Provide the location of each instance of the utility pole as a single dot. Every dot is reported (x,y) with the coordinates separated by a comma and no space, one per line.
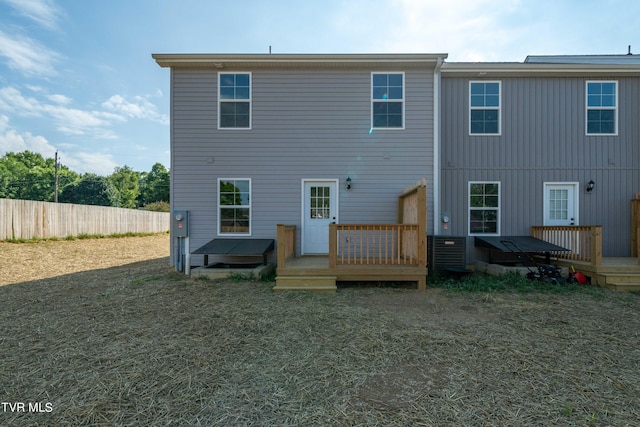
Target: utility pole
(55,193)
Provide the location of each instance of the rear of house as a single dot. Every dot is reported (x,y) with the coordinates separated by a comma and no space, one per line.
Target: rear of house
(308,140)
(551,141)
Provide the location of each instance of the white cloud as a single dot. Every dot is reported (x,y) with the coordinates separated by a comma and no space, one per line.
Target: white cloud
(59,99)
(78,161)
(468,30)
(82,162)
(67,120)
(140,108)
(27,55)
(11,140)
(44,12)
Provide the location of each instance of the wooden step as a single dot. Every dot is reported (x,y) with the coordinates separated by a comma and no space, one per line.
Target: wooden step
(621,281)
(306,283)
(624,286)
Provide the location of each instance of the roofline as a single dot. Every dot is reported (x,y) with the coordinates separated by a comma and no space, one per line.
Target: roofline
(221,61)
(482,69)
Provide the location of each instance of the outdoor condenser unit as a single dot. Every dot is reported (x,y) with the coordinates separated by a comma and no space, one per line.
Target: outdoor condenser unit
(446,252)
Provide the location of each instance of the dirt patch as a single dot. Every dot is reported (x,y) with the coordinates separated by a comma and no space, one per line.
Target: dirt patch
(132,342)
(21,262)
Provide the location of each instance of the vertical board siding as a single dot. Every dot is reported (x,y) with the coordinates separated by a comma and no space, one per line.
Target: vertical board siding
(543,140)
(306,124)
(28,219)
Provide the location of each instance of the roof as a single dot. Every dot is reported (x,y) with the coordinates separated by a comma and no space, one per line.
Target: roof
(266,61)
(509,69)
(549,65)
(584,59)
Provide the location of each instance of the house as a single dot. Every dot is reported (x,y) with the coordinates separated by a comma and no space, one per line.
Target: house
(259,140)
(320,141)
(551,142)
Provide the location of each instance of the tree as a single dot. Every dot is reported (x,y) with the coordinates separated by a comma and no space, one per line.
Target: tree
(90,190)
(29,176)
(126,183)
(154,185)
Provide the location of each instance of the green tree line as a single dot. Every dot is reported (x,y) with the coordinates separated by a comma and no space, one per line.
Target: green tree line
(29,176)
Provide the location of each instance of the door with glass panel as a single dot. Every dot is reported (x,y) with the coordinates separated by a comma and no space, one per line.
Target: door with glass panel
(319,210)
(560,203)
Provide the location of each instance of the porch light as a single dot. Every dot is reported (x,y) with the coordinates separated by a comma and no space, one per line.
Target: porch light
(348,186)
(590,186)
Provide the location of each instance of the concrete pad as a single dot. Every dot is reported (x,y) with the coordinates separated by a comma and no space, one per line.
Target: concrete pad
(222,273)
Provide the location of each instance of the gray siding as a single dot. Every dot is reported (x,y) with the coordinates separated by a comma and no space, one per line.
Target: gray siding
(543,139)
(305,124)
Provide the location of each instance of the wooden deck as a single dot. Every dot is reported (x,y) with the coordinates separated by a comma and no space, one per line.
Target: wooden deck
(314,273)
(619,273)
(361,252)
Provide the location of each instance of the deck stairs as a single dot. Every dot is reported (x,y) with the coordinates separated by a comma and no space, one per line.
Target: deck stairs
(620,281)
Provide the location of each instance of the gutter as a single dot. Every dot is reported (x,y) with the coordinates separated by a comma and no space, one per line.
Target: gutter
(436,146)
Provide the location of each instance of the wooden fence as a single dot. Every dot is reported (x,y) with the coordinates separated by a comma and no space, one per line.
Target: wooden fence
(28,219)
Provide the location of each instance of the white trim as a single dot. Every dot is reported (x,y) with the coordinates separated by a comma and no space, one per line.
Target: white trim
(436,147)
(576,199)
(250,207)
(499,133)
(303,181)
(587,108)
(402,101)
(499,209)
(250,100)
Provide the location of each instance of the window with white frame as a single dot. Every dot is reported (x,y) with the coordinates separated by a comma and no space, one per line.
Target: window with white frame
(234,206)
(234,100)
(602,107)
(484,208)
(387,100)
(484,108)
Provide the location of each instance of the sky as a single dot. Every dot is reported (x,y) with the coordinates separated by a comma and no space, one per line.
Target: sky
(77,77)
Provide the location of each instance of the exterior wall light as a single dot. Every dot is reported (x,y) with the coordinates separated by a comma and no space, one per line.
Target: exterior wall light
(590,186)
(348,186)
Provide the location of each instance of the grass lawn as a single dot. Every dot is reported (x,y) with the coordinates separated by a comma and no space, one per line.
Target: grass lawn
(139,344)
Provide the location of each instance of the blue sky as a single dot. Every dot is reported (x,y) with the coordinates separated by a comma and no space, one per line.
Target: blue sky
(77,75)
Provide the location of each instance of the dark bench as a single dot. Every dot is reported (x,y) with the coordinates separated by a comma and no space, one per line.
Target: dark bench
(236,247)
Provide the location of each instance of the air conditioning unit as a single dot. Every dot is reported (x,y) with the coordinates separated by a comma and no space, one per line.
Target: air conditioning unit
(446,252)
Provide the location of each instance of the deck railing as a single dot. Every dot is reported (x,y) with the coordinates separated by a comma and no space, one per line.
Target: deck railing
(376,244)
(583,241)
(286,238)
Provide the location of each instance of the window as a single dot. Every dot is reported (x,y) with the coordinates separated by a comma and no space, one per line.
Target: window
(234,206)
(602,105)
(234,100)
(387,101)
(484,208)
(484,108)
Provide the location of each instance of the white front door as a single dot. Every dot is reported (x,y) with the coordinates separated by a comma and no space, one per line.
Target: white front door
(319,210)
(560,203)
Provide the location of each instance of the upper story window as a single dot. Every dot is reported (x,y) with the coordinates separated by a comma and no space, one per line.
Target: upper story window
(234,100)
(387,100)
(234,206)
(484,108)
(602,108)
(484,208)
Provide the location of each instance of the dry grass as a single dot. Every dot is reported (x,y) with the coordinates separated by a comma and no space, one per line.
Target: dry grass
(138,344)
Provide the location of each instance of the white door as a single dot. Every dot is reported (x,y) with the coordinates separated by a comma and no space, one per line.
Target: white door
(560,203)
(319,210)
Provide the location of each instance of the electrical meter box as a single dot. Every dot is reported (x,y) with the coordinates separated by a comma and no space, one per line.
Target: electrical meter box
(180,223)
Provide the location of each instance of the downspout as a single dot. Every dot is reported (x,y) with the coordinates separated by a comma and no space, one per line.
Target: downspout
(436,146)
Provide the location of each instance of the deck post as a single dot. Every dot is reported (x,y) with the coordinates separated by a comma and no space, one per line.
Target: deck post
(422,227)
(596,245)
(286,243)
(333,245)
